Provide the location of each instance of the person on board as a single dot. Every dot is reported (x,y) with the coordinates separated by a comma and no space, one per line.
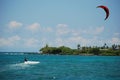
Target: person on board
(25,59)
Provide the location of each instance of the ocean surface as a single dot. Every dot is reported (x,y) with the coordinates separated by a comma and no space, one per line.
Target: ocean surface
(58,67)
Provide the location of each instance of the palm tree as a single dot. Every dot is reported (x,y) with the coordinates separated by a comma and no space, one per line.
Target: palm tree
(105,45)
(119,47)
(114,46)
(46,46)
(78,46)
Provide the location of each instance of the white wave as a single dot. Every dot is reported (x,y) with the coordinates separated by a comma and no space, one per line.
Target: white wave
(19,66)
(10,53)
(14,67)
(31,62)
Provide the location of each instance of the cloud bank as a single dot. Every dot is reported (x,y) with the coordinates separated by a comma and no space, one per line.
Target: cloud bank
(59,35)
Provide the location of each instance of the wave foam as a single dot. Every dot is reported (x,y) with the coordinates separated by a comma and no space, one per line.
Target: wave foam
(31,62)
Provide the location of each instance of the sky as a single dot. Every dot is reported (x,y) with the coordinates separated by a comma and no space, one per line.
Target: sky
(28,25)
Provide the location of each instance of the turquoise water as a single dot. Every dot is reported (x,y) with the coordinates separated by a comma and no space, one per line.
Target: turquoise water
(59,67)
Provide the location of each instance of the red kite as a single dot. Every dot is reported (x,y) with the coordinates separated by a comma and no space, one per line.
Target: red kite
(105,9)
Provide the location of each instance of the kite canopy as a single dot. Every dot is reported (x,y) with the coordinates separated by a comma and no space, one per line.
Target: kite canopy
(105,9)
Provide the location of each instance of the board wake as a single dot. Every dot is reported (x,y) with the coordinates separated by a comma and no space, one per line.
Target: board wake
(31,62)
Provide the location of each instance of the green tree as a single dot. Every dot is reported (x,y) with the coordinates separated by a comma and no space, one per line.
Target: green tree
(95,51)
(65,50)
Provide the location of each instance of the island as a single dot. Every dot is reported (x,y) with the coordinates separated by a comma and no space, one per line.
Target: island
(113,50)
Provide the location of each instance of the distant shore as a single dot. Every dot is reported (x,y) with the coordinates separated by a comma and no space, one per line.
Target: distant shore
(113,50)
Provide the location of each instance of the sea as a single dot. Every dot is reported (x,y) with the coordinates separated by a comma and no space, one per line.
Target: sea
(58,67)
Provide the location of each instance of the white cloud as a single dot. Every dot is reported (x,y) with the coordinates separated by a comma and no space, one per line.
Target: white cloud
(74,40)
(62,25)
(99,30)
(9,41)
(65,36)
(78,40)
(43,41)
(5,42)
(15,24)
(34,27)
(117,34)
(47,29)
(115,40)
(62,29)
(71,41)
(75,32)
(75,36)
(31,42)
(59,42)
(14,38)
(93,31)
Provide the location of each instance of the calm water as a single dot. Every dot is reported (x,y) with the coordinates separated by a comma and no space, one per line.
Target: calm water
(59,67)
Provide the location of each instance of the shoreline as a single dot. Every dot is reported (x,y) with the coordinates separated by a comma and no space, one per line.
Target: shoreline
(37,53)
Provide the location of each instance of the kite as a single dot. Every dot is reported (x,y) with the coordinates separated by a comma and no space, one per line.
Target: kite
(105,9)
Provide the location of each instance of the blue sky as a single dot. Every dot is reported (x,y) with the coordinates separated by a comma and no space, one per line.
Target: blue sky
(28,25)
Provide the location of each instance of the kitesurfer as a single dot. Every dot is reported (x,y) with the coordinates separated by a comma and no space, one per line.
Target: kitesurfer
(25,59)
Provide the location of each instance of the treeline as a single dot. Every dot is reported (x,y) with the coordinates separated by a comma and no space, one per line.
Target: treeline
(114,50)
